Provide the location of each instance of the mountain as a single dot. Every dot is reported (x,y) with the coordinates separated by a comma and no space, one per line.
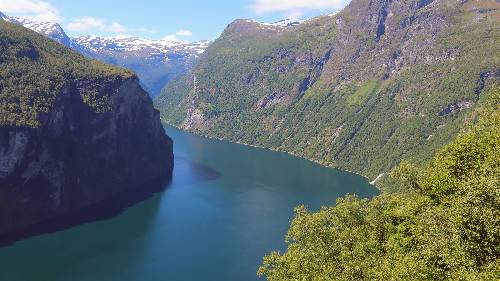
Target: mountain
(73,131)
(362,90)
(156,62)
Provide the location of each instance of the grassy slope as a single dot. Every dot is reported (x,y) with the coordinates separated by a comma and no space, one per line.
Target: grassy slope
(366,124)
(34,70)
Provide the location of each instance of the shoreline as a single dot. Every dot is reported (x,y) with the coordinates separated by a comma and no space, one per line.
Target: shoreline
(371,182)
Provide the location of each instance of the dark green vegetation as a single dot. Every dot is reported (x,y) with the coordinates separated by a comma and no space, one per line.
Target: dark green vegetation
(34,71)
(381,82)
(443,225)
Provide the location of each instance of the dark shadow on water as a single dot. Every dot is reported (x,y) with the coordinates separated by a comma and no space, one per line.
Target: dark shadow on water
(185,172)
(189,172)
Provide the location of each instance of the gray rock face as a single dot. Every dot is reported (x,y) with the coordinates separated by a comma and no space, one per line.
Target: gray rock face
(78,157)
(456,107)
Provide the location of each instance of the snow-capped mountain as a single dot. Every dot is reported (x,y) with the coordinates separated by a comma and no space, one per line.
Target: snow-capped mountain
(136,45)
(154,61)
(49,29)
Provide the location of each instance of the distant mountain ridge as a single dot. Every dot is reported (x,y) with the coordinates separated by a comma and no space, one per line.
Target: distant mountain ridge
(134,43)
(156,62)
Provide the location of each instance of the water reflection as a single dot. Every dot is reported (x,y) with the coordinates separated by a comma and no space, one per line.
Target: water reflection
(115,206)
(226,206)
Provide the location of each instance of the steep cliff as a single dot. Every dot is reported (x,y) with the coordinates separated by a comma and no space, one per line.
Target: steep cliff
(379,82)
(73,132)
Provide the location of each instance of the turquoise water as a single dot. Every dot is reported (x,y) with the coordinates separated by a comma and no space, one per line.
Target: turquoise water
(226,207)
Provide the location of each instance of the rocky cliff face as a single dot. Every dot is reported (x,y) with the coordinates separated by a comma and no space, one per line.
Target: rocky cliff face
(73,132)
(77,157)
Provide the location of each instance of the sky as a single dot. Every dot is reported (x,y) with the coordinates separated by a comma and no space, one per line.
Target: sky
(186,20)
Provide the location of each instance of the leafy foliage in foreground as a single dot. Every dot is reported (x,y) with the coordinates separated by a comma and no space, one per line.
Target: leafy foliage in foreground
(445,225)
(34,71)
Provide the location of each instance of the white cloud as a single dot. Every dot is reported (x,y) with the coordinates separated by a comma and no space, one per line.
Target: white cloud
(32,9)
(173,38)
(287,6)
(117,28)
(86,24)
(184,32)
(93,24)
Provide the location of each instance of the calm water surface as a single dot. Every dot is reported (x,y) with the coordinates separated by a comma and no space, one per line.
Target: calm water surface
(226,207)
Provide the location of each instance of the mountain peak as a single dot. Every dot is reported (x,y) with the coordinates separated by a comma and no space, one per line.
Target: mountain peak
(51,30)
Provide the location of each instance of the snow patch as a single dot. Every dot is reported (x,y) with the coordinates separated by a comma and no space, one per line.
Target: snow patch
(282,24)
(125,43)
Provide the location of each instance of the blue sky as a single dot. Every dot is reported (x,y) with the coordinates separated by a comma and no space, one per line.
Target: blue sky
(187,20)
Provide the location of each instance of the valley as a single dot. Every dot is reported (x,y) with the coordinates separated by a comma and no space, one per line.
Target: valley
(359,143)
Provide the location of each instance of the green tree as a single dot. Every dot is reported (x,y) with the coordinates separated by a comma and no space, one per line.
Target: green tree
(443,225)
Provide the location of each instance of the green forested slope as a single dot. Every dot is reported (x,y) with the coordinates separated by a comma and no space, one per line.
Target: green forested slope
(34,71)
(380,82)
(443,225)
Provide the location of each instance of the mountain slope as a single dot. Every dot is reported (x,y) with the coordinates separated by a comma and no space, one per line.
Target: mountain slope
(442,225)
(360,90)
(73,131)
